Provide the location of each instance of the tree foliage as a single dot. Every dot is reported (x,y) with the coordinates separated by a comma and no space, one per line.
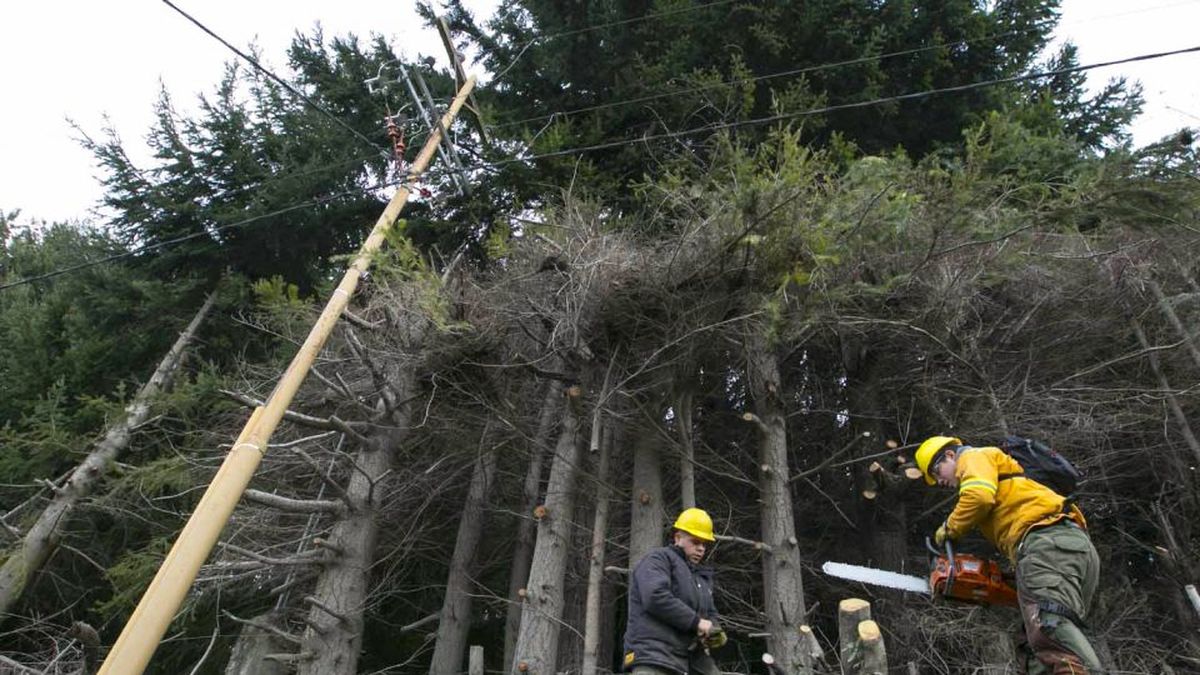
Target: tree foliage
(978,263)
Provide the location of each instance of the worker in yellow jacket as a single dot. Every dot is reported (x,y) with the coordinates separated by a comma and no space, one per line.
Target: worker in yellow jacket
(1046,539)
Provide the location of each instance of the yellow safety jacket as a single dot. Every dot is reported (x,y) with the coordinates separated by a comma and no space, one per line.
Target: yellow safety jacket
(1003,510)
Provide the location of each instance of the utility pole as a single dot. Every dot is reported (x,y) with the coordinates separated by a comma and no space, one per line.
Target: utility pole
(142,634)
(460,76)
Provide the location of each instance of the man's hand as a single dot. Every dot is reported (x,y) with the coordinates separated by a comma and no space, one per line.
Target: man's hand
(940,536)
(716,638)
(704,627)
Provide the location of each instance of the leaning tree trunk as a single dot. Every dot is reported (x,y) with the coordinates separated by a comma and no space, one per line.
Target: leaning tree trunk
(1168,311)
(32,551)
(536,650)
(455,620)
(646,515)
(1185,427)
(782,585)
(523,551)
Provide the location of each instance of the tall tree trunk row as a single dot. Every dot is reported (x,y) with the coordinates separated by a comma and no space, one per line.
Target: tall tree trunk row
(783,588)
(591,626)
(526,528)
(536,651)
(455,620)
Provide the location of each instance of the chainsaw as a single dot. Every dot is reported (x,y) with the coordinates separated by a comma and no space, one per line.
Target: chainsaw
(962,577)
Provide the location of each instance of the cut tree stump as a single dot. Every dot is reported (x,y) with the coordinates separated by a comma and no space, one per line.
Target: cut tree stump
(861,646)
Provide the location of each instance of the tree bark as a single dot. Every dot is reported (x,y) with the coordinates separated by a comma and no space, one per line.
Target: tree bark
(523,551)
(335,616)
(332,641)
(687,467)
(29,554)
(882,519)
(456,607)
(646,515)
(591,624)
(536,650)
(783,587)
(851,612)
(255,642)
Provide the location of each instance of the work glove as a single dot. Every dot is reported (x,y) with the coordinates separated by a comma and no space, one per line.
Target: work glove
(716,638)
(941,535)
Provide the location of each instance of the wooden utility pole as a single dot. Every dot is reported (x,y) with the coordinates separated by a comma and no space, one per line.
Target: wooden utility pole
(460,76)
(141,635)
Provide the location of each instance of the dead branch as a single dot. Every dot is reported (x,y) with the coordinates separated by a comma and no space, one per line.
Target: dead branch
(294,505)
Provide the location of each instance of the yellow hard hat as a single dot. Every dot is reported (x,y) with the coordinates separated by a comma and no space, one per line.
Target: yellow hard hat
(928,450)
(695,522)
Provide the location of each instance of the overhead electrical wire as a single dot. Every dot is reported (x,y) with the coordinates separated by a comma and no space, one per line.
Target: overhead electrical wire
(605,145)
(809,69)
(194,235)
(633,19)
(587,29)
(622,142)
(295,92)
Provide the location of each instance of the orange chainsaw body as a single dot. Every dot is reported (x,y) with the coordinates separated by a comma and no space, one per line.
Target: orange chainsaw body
(971,579)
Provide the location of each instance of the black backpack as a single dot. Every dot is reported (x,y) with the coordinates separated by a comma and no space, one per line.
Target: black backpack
(1043,464)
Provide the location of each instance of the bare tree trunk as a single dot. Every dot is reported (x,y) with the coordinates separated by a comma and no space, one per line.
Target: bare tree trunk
(536,651)
(646,515)
(523,552)
(456,607)
(782,584)
(333,639)
(255,643)
(591,624)
(28,555)
(687,467)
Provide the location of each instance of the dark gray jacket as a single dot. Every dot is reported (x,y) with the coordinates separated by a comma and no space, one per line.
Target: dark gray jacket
(667,598)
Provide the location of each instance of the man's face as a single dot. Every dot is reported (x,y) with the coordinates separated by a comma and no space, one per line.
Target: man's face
(943,471)
(693,547)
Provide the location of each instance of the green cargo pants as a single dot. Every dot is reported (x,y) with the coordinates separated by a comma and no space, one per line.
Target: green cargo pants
(1057,574)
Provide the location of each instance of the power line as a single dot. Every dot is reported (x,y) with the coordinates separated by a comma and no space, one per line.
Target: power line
(833,108)
(635,19)
(628,141)
(187,237)
(587,29)
(295,92)
(808,69)
(759,78)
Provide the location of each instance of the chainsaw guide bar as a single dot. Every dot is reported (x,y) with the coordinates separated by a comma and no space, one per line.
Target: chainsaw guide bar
(870,575)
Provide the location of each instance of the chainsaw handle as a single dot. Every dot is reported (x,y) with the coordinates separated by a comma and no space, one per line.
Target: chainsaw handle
(929,545)
(949,558)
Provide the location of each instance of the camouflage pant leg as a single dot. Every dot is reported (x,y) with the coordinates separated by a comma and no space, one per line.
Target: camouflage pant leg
(1057,565)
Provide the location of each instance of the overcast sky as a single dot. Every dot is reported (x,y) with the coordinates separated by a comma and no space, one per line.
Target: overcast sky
(90,60)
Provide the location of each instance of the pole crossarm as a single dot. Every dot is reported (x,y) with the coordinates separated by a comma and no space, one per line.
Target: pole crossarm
(146,626)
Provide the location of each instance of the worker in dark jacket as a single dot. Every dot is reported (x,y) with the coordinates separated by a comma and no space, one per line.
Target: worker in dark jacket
(1044,536)
(672,617)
